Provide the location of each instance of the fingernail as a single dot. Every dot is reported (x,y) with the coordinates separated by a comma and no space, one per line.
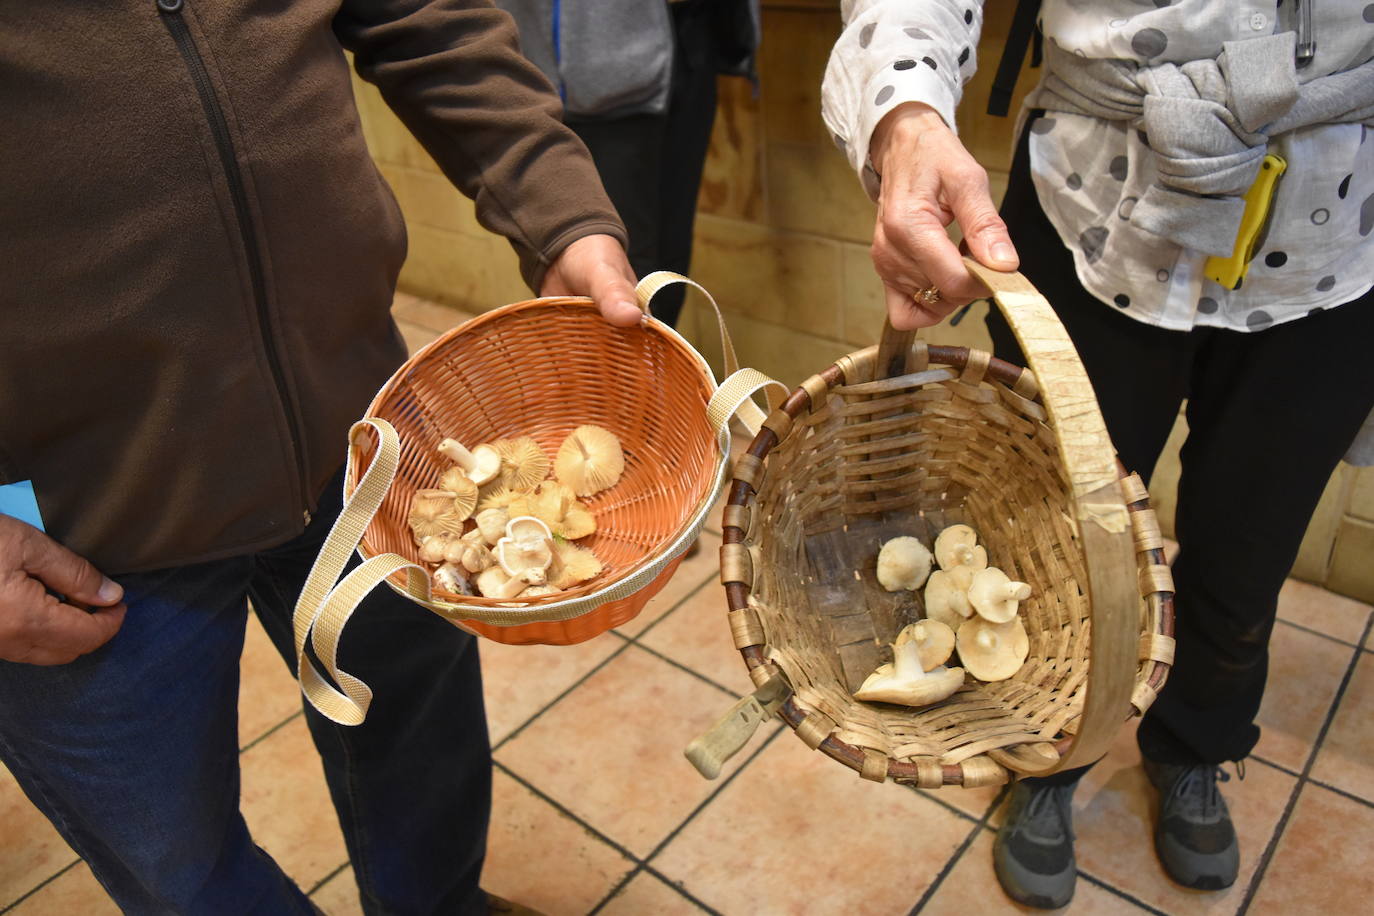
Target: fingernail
(110,591)
(1002,251)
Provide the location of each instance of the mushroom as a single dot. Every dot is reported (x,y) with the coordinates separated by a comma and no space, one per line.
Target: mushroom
(524,552)
(946,595)
(523,462)
(903,563)
(557,506)
(492,524)
(476,555)
(463,489)
(905,682)
(499,497)
(995,596)
(589,460)
(481,465)
(449,578)
(433,548)
(935,641)
(539,591)
(957,545)
(572,564)
(993,651)
(432,512)
(494,583)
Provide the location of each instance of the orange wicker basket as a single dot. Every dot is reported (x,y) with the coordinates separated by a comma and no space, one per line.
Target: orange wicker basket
(905,440)
(538,368)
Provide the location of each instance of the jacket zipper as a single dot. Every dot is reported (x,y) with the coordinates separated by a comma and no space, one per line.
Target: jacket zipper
(181,34)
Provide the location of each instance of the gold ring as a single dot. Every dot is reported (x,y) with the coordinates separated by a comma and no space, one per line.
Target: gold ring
(928,296)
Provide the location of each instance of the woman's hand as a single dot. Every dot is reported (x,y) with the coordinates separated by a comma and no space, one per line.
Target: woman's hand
(928,181)
(36,626)
(596,266)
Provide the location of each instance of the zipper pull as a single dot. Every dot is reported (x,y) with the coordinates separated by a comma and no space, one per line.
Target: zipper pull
(169,6)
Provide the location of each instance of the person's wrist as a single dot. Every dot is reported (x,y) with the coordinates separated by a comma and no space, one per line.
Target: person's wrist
(899,129)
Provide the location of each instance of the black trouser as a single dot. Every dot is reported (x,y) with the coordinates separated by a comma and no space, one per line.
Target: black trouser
(651,164)
(1270,413)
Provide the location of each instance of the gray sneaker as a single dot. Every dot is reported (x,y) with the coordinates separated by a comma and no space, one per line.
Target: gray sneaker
(1193,834)
(1033,852)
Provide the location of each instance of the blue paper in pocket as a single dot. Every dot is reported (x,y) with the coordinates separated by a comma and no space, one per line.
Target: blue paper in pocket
(17,501)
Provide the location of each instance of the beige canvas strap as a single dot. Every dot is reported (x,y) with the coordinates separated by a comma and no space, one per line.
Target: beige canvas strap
(324,608)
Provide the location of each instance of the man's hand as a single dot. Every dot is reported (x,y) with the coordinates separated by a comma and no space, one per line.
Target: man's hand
(928,181)
(35,626)
(596,266)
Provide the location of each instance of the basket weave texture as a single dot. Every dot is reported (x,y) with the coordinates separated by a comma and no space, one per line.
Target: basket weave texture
(849,462)
(541,368)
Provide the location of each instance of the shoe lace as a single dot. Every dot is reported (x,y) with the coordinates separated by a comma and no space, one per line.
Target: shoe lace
(1051,803)
(1200,783)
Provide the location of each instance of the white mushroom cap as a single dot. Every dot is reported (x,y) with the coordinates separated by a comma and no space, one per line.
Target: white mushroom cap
(433,548)
(934,640)
(481,465)
(589,460)
(492,524)
(464,491)
(476,556)
(904,682)
(556,505)
(449,578)
(494,583)
(903,563)
(995,596)
(572,564)
(993,651)
(957,545)
(946,596)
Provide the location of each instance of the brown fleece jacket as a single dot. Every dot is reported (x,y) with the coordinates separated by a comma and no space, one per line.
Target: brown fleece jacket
(197,255)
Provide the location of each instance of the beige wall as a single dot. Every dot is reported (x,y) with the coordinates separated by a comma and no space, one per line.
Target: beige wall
(782,242)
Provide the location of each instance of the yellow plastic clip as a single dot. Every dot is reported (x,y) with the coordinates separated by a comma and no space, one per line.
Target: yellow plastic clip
(1258,200)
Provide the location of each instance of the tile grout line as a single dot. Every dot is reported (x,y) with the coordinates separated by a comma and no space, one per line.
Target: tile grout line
(1303,778)
(327,878)
(42,884)
(958,854)
(270,732)
(643,864)
(674,885)
(628,641)
(1118,892)
(559,807)
(1314,632)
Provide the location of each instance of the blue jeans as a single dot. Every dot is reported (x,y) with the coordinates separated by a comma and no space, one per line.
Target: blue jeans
(132,751)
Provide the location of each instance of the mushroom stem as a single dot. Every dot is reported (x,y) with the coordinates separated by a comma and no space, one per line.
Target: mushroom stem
(1018,591)
(455,452)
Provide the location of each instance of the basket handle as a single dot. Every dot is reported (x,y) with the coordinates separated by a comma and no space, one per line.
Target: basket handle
(1102,519)
(749,413)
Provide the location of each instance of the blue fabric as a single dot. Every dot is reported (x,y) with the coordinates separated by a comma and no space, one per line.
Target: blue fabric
(132,750)
(17,501)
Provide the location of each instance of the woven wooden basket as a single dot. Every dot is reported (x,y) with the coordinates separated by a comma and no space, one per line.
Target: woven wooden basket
(906,439)
(538,368)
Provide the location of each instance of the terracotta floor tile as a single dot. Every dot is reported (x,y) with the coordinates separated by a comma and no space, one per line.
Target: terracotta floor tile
(697,635)
(692,574)
(648,894)
(1114,818)
(31,849)
(73,892)
(1304,673)
(519,681)
(1321,864)
(798,833)
(973,802)
(287,805)
(971,888)
(268,693)
(538,856)
(339,895)
(426,314)
(1346,759)
(611,751)
(1326,612)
